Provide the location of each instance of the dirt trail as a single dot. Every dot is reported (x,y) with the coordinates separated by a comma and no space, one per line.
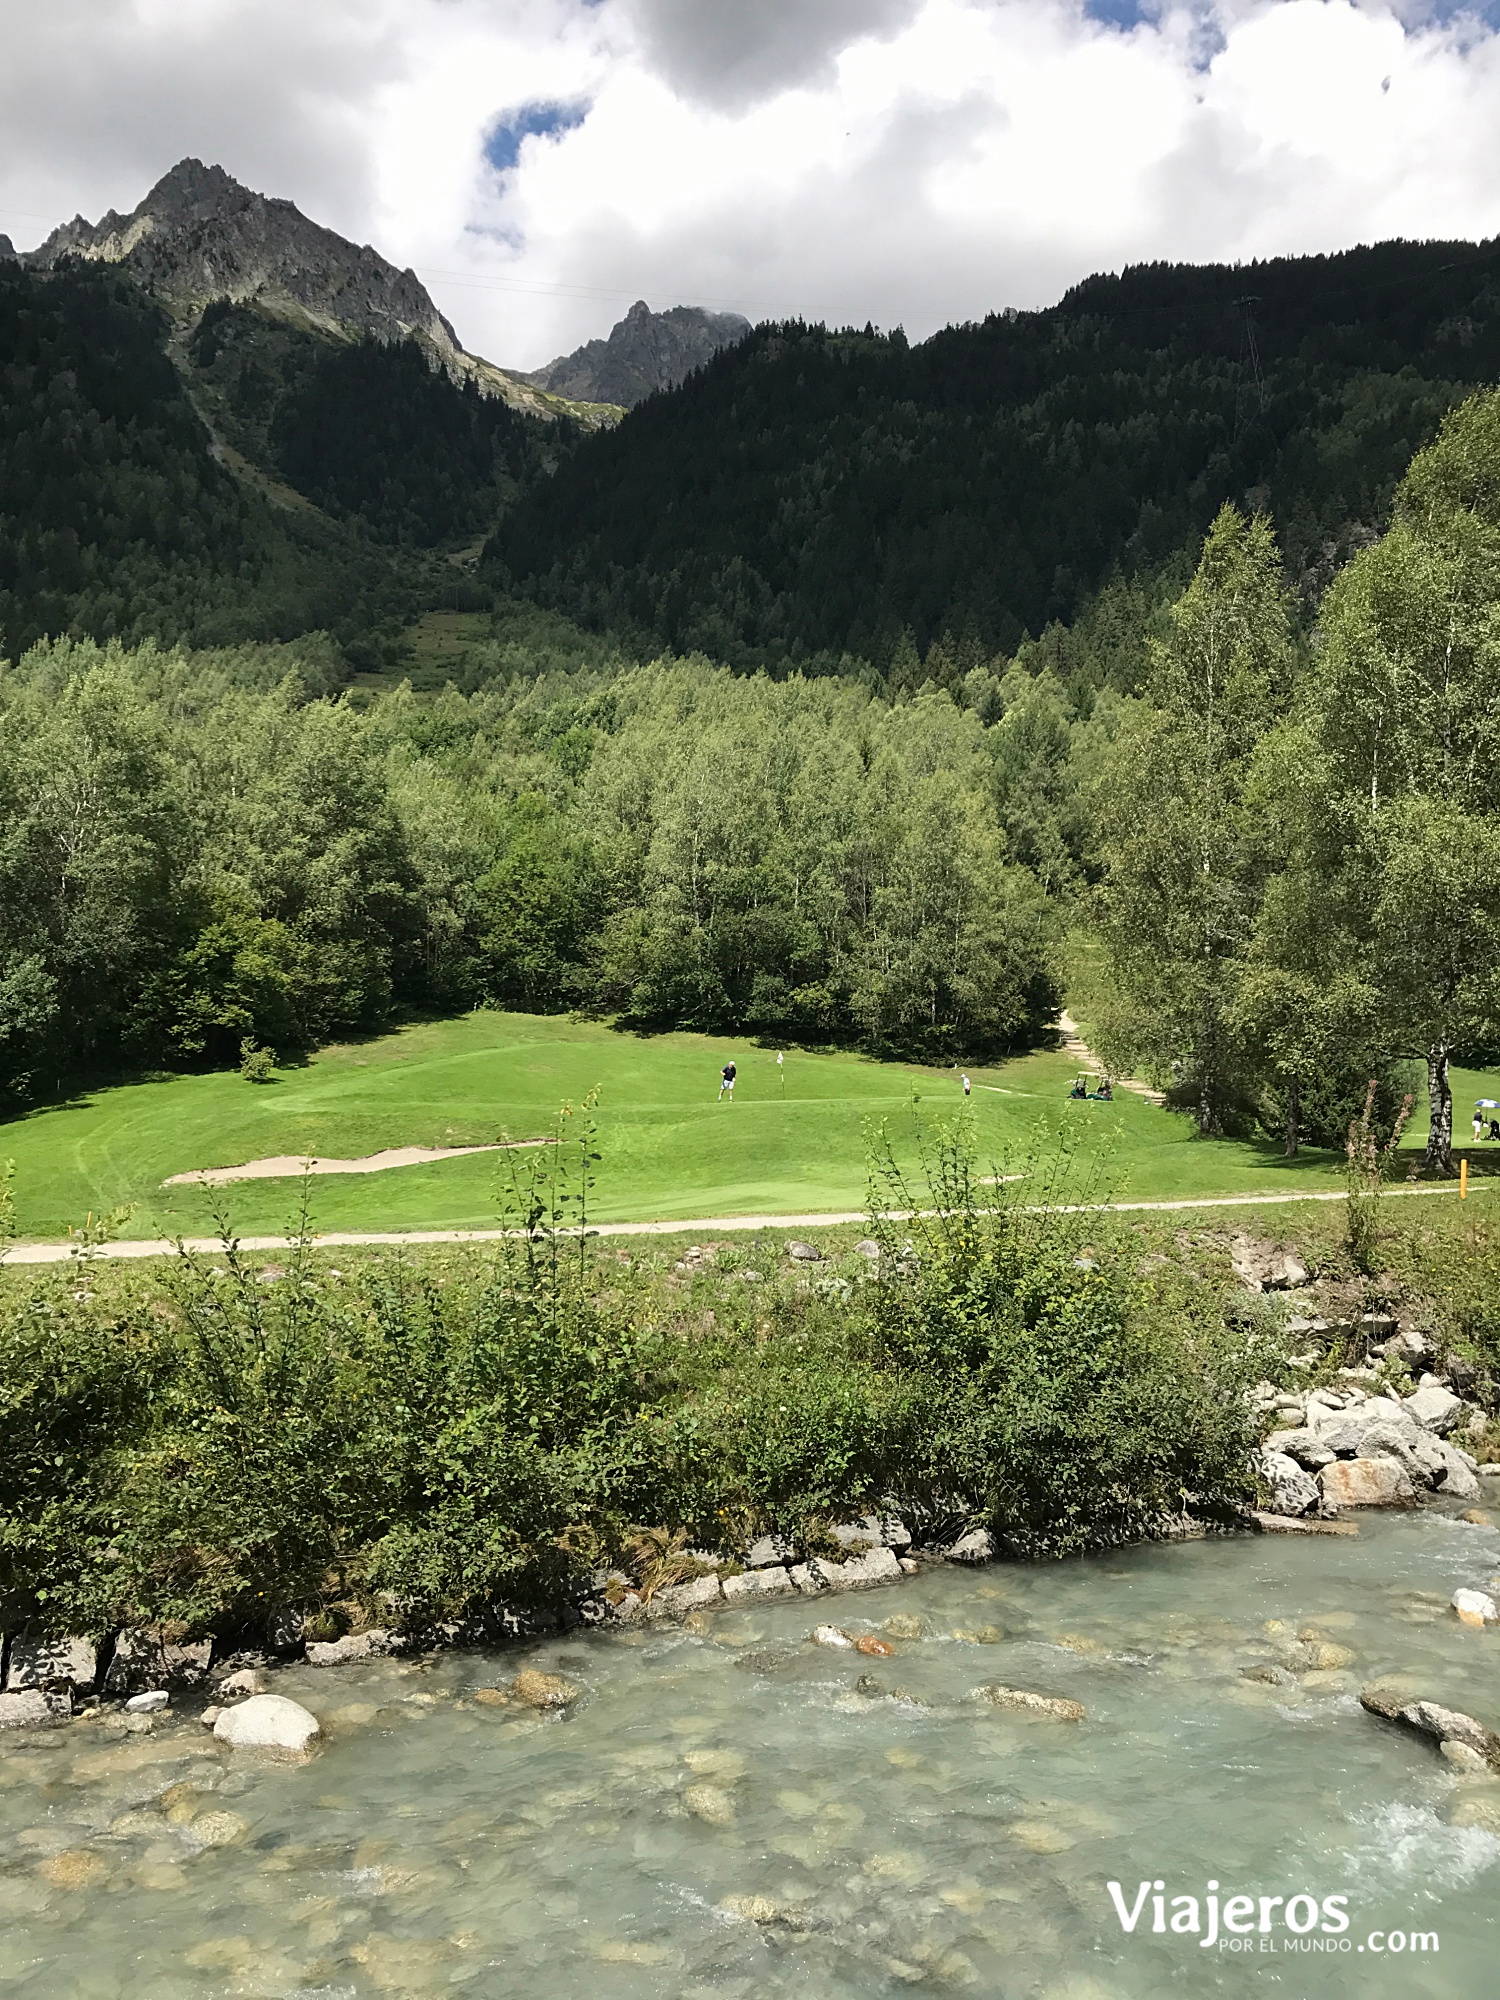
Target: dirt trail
(1074,1045)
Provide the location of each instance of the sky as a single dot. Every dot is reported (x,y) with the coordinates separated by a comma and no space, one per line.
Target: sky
(543,163)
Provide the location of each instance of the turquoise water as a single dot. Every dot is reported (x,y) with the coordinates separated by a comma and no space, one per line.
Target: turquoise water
(726,1815)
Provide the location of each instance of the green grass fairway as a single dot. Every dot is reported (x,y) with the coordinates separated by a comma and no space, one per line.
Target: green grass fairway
(669,1150)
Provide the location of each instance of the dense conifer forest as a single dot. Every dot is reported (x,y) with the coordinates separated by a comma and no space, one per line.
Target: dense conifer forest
(813,494)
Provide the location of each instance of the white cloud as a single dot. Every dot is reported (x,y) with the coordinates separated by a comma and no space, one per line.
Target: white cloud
(900,160)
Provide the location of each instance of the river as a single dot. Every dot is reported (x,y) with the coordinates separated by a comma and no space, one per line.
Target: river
(732,1812)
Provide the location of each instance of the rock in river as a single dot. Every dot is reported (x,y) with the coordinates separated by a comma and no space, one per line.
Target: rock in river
(268,1722)
(1055,1705)
(1475,1607)
(1430,1718)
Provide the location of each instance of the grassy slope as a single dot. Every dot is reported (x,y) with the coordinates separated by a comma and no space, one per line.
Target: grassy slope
(668,1148)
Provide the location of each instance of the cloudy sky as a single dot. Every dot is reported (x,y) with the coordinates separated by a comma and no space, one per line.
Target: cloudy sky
(541,163)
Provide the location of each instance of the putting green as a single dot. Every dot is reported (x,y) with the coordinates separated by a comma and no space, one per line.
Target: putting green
(793,1141)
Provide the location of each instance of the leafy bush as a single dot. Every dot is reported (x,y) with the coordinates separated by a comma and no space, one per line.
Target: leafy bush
(408,1442)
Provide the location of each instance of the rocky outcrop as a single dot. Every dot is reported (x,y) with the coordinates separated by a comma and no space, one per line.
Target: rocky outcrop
(1343,1429)
(144,1659)
(645,351)
(200,236)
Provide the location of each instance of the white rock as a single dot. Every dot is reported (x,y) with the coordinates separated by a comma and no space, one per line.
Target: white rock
(268,1722)
(149,1703)
(1462,1758)
(830,1635)
(1475,1607)
(1434,1408)
(353,1646)
(758,1583)
(1305,1446)
(1292,1490)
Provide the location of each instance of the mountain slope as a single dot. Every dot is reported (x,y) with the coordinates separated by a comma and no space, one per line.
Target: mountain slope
(645,351)
(200,238)
(813,493)
(118,516)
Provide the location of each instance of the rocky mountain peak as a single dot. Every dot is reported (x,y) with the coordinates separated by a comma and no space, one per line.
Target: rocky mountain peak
(645,351)
(199,235)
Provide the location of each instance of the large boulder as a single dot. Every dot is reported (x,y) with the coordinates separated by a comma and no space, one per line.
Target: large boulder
(770,1552)
(1292,1490)
(52,1663)
(269,1722)
(1435,1408)
(1366,1482)
(1343,1431)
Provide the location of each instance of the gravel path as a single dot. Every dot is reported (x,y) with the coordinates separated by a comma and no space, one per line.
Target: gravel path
(723,1225)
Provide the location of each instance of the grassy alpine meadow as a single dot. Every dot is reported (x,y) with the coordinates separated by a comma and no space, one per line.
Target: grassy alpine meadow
(795,1139)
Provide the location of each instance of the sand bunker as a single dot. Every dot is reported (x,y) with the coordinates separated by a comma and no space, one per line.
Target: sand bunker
(289,1166)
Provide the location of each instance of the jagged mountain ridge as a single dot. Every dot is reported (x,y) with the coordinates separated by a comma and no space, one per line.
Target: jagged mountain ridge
(200,237)
(644,352)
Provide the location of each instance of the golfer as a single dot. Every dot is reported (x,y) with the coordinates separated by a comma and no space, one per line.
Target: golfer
(967,1085)
(726,1082)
